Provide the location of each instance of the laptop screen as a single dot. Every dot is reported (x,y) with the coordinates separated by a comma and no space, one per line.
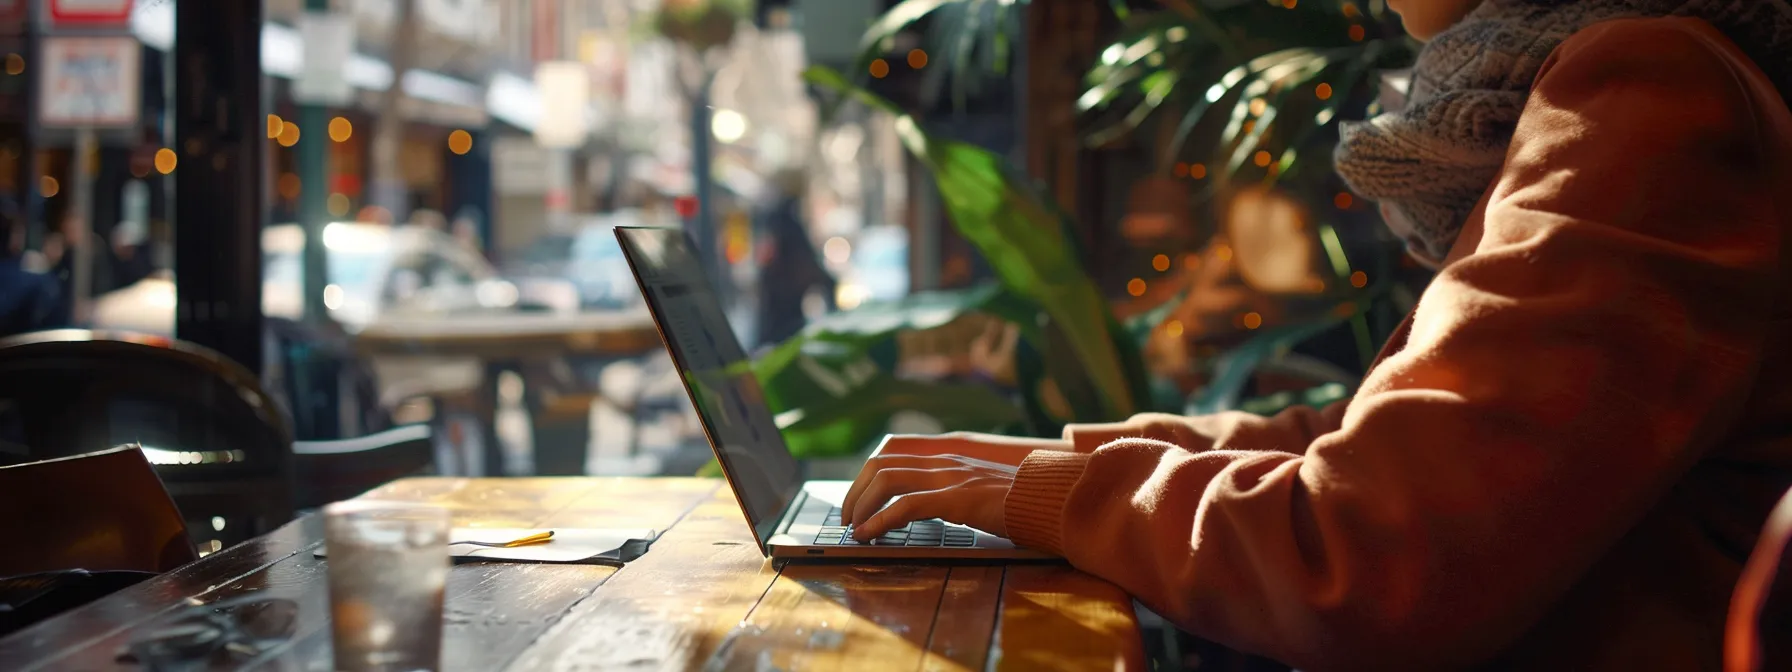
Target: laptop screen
(759,466)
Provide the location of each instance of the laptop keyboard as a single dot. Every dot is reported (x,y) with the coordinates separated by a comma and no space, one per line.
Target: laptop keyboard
(919,533)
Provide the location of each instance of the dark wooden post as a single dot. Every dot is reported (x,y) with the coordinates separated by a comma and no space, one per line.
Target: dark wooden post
(218,209)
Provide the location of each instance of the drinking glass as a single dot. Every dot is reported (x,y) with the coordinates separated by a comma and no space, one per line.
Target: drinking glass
(388,563)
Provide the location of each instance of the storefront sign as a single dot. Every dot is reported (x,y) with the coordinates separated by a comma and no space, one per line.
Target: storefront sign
(90,82)
(91,13)
(519,166)
(329,42)
(565,90)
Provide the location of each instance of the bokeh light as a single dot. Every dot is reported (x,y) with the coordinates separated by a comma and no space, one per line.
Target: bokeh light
(837,250)
(460,142)
(1289,4)
(275,126)
(15,64)
(1261,159)
(1359,279)
(289,135)
(917,59)
(1161,262)
(1324,91)
(289,185)
(166,160)
(728,125)
(1252,320)
(1173,328)
(1181,169)
(1343,200)
(1136,287)
(1357,33)
(880,69)
(48,186)
(337,205)
(341,129)
(1197,170)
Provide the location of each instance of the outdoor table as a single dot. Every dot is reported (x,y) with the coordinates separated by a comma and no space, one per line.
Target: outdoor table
(703,597)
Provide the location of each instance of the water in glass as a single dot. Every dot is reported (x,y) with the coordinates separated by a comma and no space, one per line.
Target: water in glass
(388,566)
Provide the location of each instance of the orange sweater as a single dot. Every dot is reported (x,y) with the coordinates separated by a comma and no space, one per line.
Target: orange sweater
(1561,459)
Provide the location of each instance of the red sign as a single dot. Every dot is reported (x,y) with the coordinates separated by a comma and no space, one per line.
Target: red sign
(91,12)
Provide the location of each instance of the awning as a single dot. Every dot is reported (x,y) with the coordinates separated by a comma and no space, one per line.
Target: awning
(283,52)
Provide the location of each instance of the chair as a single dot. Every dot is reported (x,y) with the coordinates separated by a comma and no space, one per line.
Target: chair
(330,471)
(323,388)
(218,441)
(98,511)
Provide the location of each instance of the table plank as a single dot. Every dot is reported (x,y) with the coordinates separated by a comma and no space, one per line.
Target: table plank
(494,611)
(966,621)
(66,635)
(831,616)
(299,577)
(1057,618)
(669,609)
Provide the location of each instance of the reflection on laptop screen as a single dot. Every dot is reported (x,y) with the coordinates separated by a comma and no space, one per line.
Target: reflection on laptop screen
(762,471)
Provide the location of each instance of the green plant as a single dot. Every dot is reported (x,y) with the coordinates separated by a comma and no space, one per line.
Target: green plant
(836,385)
(1228,83)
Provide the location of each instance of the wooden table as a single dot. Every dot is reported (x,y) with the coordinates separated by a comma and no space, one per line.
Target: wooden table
(702,598)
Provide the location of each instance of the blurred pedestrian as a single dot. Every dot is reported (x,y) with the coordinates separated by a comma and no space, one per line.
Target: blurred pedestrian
(789,266)
(29,301)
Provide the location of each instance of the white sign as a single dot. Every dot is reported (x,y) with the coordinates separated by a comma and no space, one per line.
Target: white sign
(90,82)
(565,89)
(329,41)
(520,167)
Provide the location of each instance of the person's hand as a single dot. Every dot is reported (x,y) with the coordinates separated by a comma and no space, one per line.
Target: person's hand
(961,478)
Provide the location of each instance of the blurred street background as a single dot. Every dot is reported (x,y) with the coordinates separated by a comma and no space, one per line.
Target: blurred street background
(441,178)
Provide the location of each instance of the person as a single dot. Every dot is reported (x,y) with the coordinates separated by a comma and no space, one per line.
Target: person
(791,268)
(1562,458)
(29,301)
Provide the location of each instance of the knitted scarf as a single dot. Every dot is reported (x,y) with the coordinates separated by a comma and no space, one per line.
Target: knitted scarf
(1429,163)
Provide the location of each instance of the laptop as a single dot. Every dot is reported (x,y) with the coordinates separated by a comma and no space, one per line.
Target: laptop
(791,517)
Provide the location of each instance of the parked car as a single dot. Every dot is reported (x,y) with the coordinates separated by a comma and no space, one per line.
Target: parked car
(375,271)
(580,270)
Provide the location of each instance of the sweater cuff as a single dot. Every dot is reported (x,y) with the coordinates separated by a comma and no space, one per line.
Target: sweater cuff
(1034,509)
